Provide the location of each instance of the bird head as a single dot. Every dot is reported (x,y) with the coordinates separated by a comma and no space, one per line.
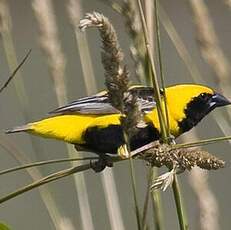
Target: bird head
(188,104)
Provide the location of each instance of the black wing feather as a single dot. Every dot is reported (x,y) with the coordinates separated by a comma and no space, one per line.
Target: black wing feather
(99,103)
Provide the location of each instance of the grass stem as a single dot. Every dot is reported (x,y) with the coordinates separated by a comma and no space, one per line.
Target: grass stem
(176,186)
(41,163)
(157,205)
(179,205)
(147,198)
(157,24)
(133,180)
(153,74)
(202,142)
(10,78)
(45,180)
(132,171)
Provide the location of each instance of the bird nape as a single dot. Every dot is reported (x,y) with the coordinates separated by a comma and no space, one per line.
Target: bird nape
(92,124)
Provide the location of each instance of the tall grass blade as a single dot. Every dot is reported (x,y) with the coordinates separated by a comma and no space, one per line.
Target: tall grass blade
(179,205)
(158,38)
(153,74)
(157,204)
(14,72)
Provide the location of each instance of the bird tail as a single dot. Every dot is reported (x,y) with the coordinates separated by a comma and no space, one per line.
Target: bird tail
(18,129)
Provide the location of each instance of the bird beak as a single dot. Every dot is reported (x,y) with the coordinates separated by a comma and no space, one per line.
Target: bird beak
(219,100)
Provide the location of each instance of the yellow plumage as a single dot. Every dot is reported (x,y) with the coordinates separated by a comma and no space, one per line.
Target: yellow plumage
(70,128)
(94,124)
(180,95)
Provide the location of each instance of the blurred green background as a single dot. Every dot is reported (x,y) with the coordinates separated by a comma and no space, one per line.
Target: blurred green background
(28,211)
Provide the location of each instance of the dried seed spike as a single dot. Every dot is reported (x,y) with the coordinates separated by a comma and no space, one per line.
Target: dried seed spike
(91,20)
(116,74)
(163,181)
(161,154)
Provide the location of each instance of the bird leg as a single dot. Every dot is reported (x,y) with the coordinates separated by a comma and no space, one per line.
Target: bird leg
(170,140)
(100,164)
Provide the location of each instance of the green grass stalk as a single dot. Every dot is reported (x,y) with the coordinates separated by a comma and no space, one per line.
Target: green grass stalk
(157,204)
(156,196)
(42,163)
(134,190)
(157,209)
(179,205)
(202,142)
(159,104)
(154,75)
(18,83)
(45,180)
(157,25)
(176,187)
(133,180)
(147,198)
(10,78)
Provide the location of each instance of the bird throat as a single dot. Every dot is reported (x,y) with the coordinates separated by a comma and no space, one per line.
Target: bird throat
(195,111)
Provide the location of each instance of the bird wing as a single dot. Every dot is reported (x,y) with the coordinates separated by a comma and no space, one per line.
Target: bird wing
(99,103)
(145,97)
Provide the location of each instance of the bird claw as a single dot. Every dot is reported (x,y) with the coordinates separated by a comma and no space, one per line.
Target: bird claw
(123,151)
(171,139)
(100,164)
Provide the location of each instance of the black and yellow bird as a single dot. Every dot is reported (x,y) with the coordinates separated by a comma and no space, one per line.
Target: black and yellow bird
(91,123)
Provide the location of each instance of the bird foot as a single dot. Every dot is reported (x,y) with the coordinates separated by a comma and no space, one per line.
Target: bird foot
(123,151)
(101,163)
(170,140)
